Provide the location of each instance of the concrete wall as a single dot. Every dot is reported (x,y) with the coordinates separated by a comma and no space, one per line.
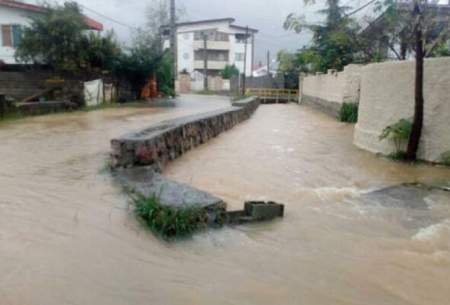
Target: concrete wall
(160,143)
(387,95)
(329,91)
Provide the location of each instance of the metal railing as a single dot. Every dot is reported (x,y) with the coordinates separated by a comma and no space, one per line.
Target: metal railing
(277,95)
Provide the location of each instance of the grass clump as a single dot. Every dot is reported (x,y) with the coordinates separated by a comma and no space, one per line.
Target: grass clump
(398,133)
(168,222)
(445,157)
(349,113)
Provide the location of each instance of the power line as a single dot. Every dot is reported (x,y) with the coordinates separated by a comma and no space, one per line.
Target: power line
(108,18)
(360,8)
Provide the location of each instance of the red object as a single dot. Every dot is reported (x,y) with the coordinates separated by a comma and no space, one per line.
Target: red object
(91,23)
(153,88)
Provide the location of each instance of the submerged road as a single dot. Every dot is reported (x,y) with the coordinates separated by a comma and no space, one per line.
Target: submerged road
(68,235)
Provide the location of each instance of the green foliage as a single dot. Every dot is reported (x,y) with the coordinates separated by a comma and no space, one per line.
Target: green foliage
(349,113)
(170,223)
(445,157)
(398,156)
(334,44)
(59,38)
(399,133)
(229,71)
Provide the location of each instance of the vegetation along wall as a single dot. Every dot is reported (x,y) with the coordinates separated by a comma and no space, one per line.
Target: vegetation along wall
(387,95)
(328,92)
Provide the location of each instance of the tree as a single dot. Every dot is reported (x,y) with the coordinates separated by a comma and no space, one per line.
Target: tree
(333,44)
(229,71)
(421,28)
(59,38)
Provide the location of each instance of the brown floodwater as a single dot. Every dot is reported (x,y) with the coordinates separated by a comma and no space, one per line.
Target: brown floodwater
(68,235)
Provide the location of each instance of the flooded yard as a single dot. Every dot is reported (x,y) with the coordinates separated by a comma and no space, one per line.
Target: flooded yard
(68,235)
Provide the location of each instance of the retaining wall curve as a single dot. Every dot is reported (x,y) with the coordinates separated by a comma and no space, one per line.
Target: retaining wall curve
(168,140)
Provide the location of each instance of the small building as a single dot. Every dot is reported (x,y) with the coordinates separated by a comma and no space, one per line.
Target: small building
(225,45)
(15,15)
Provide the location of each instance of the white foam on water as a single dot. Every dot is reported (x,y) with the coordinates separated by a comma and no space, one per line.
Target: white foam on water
(433,231)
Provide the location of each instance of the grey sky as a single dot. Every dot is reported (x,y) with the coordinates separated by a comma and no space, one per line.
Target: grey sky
(266,15)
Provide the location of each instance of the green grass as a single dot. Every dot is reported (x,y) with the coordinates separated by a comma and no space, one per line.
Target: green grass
(168,222)
(398,156)
(349,113)
(445,157)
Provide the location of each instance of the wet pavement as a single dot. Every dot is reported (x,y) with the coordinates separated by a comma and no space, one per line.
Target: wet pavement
(68,236)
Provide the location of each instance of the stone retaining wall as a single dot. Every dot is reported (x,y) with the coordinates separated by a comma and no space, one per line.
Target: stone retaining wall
(168,140)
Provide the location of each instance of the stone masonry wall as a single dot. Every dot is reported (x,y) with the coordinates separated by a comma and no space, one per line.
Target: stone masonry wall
(168,140)
(387,95)
(327,92)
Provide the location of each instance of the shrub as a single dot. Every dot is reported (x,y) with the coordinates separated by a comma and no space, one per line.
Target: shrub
(399,133)
(349,113)
(445,157)
(168,222)
(229,71)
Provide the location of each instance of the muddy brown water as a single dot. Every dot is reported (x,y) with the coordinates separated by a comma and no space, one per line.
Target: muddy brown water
(67,234)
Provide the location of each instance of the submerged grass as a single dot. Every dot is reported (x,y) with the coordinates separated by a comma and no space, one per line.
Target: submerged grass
(168,222)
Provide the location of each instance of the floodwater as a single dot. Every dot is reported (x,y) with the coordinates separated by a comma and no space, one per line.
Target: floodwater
(68,236)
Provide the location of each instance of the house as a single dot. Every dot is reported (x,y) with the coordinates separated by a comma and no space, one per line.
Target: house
(14,15)
(225,45)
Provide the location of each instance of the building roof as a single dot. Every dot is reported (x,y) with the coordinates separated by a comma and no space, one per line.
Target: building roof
(229,20)
(91,23)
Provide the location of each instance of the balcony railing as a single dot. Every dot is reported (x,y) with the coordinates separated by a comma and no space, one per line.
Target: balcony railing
(212,64)
(212,45)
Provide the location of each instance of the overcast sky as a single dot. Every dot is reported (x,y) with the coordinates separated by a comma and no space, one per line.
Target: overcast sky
(265,15)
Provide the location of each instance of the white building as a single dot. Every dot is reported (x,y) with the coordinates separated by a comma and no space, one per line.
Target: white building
(225,45)
(15,15)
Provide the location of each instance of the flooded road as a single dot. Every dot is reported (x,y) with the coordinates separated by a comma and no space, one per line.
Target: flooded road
(67,235)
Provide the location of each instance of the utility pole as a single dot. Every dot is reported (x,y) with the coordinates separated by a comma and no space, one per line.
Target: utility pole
(173,40)
(205,61)
(268,62)
(244,89)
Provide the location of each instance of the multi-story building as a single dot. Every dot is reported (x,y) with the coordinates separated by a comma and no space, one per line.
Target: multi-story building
(14,15)
(225,45)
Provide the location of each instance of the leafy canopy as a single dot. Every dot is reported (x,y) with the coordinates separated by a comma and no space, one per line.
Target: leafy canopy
(334,41)
(60,38)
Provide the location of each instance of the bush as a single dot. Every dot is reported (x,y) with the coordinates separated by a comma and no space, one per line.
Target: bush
(445,157)
(229,71)
(168,222)
(349,113)
(399,133)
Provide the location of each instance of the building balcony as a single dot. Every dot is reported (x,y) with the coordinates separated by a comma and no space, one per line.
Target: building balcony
(212,65)
(212,45)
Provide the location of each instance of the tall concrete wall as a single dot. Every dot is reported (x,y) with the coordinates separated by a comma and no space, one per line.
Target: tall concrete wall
(329,91)
(387,95)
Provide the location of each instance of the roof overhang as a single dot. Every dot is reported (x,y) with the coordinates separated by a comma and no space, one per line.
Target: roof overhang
(91,23)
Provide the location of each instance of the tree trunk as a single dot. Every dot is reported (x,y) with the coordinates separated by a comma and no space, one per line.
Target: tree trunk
(416,133)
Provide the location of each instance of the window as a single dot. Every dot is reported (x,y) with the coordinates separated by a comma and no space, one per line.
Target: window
(11,35)
(213,55)
(6,36)
(186,56)
(212,35)
(186,36)
(239,56)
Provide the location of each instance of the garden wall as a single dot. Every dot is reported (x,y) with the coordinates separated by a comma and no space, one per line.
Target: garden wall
(387,95)
(327,92)
(165,141)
